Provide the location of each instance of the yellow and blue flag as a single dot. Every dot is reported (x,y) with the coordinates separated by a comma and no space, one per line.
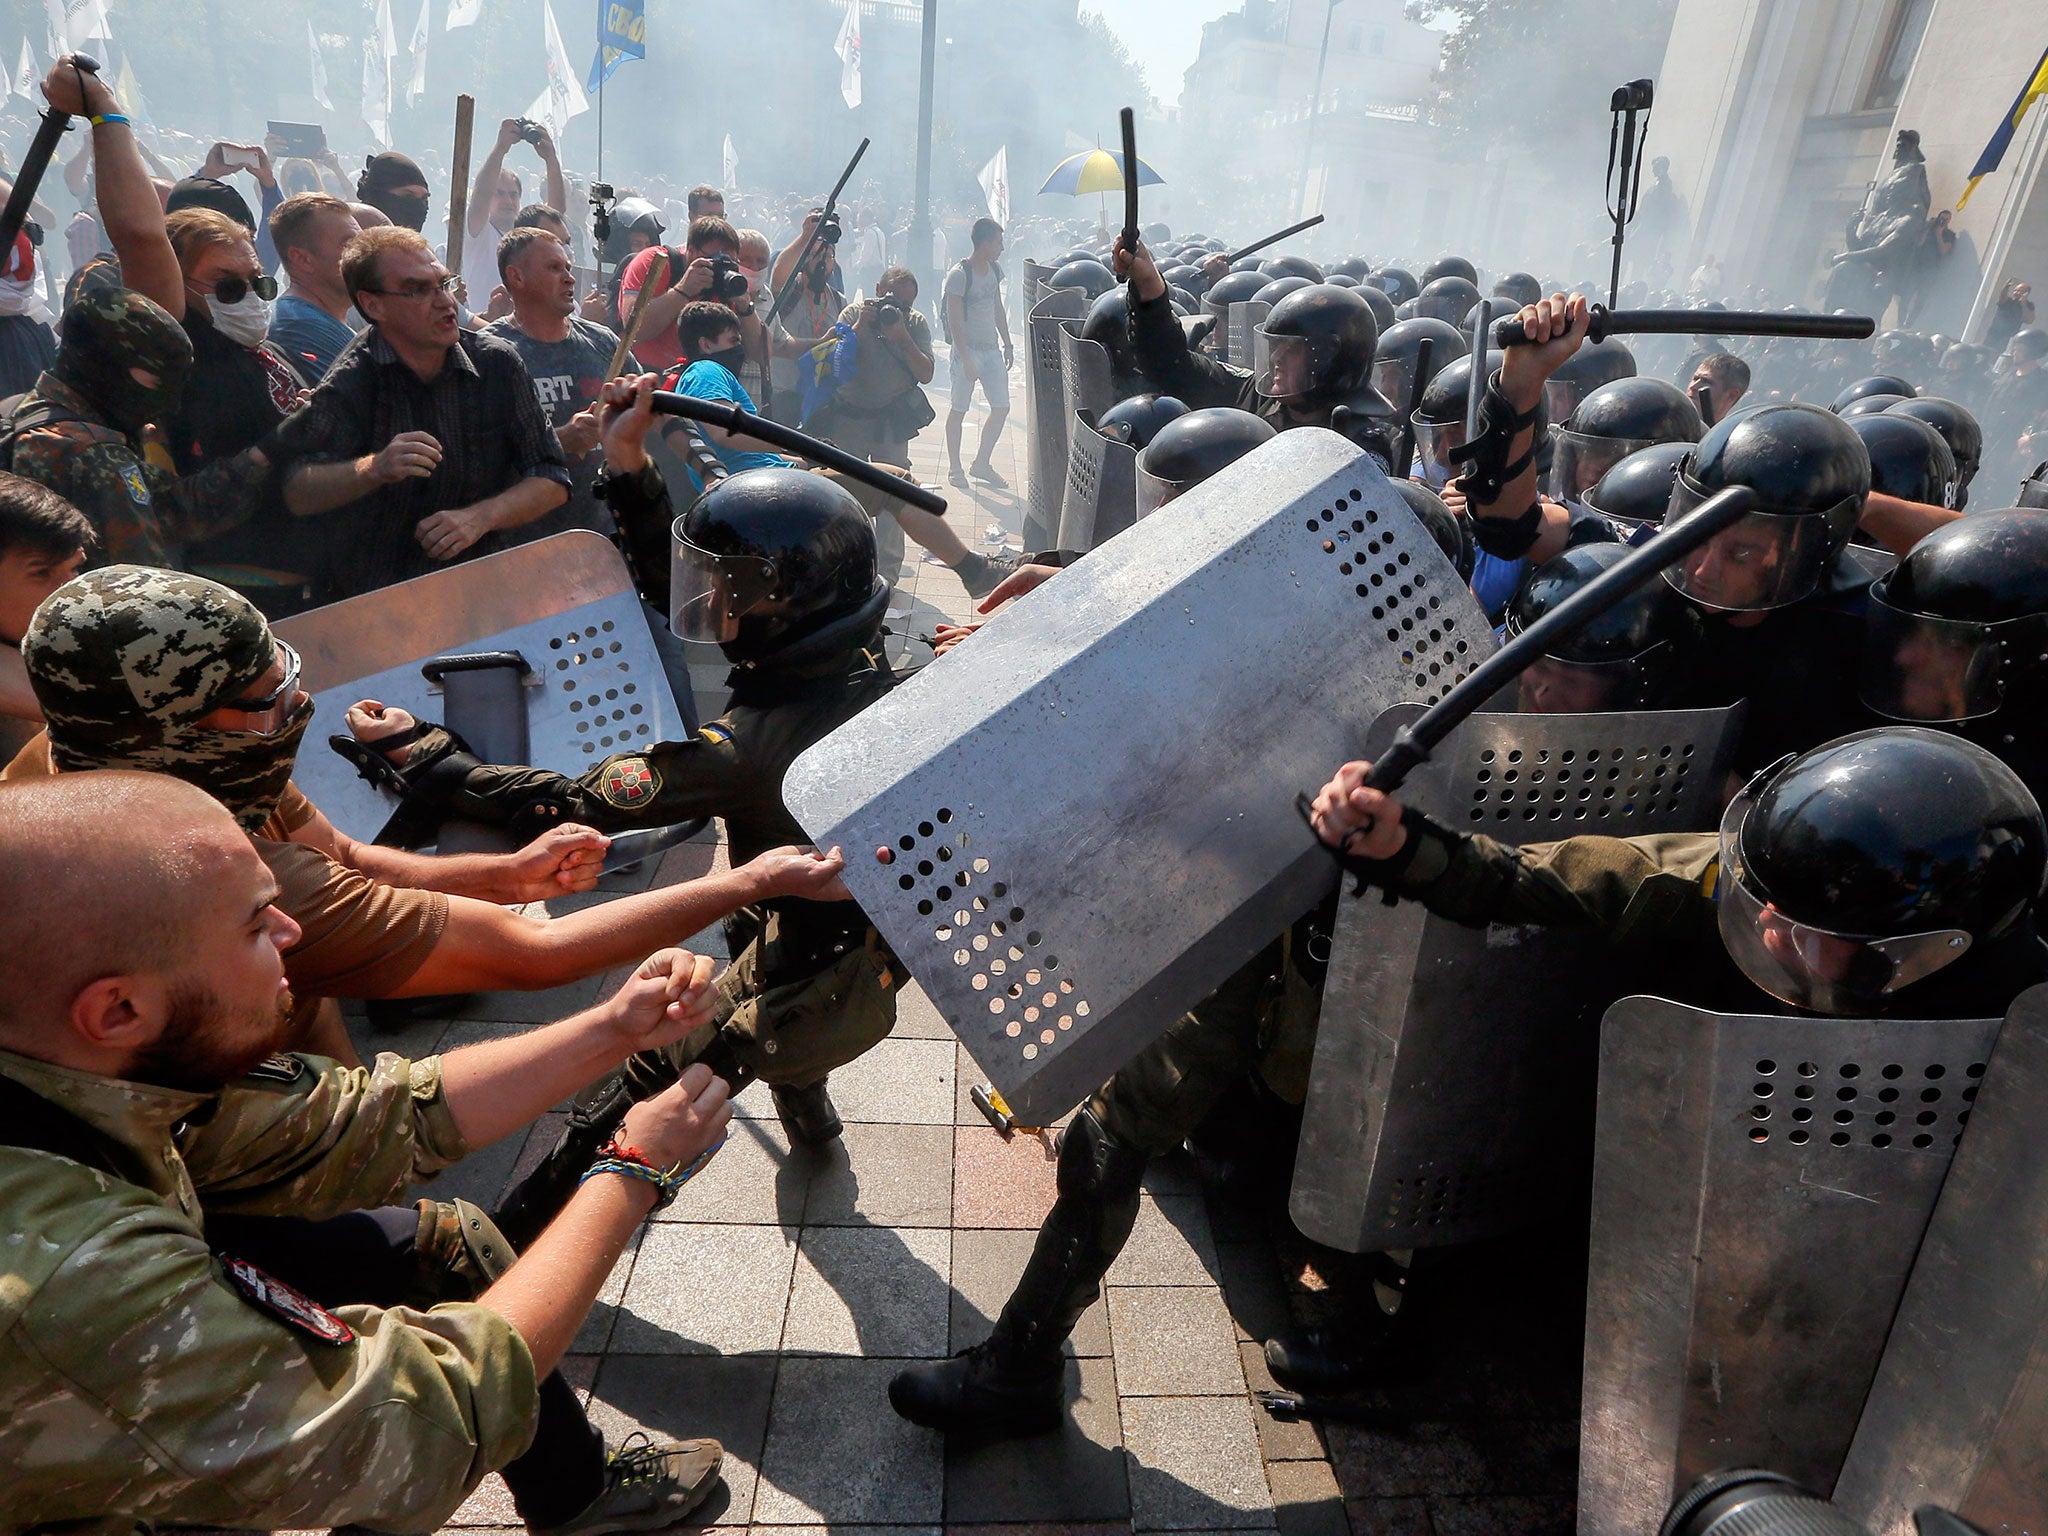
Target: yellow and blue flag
(2035,88)
(621,35)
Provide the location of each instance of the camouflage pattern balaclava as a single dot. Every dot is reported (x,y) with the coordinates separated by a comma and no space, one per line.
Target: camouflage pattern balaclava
(109,331)
(125,661)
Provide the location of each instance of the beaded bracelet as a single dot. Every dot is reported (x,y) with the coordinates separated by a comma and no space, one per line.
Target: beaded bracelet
(615,1157)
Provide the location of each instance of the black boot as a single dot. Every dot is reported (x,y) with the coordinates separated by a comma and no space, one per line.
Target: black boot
(807,1114)
(1355,1353)
(1010,1384)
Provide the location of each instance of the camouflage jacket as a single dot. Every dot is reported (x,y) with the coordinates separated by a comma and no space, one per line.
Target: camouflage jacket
(138,1387)
(139,509)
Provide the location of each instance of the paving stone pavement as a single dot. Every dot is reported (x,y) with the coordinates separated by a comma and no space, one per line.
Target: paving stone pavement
(770,1305)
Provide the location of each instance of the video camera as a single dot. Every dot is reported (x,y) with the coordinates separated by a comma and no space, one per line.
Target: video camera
(1758,1503)
(601,199)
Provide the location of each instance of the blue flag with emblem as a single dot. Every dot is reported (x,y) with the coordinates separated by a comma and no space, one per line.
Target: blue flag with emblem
(2035,88)
(621,35)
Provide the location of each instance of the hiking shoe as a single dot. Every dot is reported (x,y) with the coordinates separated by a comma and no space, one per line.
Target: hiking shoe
(648,1484)
(807,1114)
(986,474)
(982,574)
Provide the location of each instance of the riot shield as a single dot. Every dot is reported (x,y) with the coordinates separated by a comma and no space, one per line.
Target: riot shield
(1102,486)
(1959,1411)
(1076,825)
(1046,405)
(1760,1188)
(1036,275)
(594,683)
(1446,1056)
(1245,320)
(1084,373)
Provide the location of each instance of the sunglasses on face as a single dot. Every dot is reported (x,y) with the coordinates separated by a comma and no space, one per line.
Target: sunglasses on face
(232,290)
(273,712)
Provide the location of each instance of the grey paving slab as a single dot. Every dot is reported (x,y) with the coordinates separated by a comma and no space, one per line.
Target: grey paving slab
(1172,1341)
(706,1289)
(1194,1465)
(1419,1459)
(985,1269)
(873,1291)
(916,1018)
(1305,1499)
(1389,1517)
(836,1454)
(753,1179)
(726,1399)
(899,1082)
(1169,1245)
(894,1175)
(1075,1475)
(1253,1291)
(1279,1439)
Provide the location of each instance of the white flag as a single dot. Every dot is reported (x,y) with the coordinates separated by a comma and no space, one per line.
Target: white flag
(463,12)
(25,73)
(729,179)
(995,186)
(77,22)
(319,68)
(416,87)
(563,98)
(379,49)
(848,48)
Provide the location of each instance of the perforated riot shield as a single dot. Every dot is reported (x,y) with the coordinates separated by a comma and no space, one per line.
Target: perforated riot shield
(1077,824)
(566,603)
(1084,371)
(1451,1062)
(1102,486)
(1045,379)
(1036,275)
(1245,319)
(1760,1188)
(1959,1411)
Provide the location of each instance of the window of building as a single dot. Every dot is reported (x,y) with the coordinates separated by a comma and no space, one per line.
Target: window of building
(1379,42)
(1902,43)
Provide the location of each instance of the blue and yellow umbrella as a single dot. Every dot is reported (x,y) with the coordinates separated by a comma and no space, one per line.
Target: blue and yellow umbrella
(1096,170)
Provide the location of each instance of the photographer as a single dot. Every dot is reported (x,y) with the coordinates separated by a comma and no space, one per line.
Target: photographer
(814,304)
(494,204)
(665,279)
(877,411)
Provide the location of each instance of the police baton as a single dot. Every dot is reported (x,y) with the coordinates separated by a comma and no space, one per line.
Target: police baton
(824,218)
(721,413)
(1413,744)
(1700,322)
(1130,132)
(1273,239)
(34,163)
(1475,387)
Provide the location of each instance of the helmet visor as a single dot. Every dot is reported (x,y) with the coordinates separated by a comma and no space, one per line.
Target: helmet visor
(1286,367)
(1442,306)
(1804,964)
(1560,398)
(1916,667)
(1394,379)
(709,594)
(1767,560)
(1154,493)
(1552,686)
(1434,441)
(1578,460)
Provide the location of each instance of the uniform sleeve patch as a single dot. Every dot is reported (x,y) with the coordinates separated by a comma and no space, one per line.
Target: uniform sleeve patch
(138,488)
(629,783)
(716,734)
(294,1308)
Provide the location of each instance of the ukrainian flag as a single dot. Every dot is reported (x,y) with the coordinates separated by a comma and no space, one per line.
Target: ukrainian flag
(2035,88)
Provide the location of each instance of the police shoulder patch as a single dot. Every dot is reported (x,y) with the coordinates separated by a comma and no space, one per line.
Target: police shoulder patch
(290,1306)
(629,783)
(138,487)
(716,733)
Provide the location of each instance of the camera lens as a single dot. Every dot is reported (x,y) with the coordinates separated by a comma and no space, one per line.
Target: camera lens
(1754,1503)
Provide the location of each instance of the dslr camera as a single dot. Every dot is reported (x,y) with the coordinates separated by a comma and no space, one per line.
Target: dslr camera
(889,310)
(531,132)
(1636,96)
(728,280)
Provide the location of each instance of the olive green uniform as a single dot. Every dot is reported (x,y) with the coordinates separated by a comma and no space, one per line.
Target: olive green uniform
(137,1385)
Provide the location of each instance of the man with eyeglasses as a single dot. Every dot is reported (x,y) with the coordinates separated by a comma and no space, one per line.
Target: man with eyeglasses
(430,434)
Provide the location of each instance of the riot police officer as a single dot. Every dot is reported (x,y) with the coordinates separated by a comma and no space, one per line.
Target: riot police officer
(1637,491)
(1614,421)
(1909,460)
(1633,656)
(1189,449)
(1959,428)
(1399,354)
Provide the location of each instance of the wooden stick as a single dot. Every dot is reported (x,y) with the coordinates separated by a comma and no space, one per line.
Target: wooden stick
(458,192)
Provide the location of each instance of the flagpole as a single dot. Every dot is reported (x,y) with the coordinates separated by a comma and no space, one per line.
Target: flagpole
(602,75)
(920,252)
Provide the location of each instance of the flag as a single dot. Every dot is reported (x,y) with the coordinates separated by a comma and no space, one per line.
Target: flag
(462,13)
(729,178)
(379,49)
(847,46)
(129,92)
(416,87)
(562,99)
(2035,88)
(25,73)
(995,186)
(77,22)
(319,68)
(621,35)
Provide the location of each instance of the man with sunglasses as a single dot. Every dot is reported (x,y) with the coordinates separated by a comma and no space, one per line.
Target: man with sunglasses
(430,434)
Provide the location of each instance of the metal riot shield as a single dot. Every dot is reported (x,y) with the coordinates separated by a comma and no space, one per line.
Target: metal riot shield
(1245,320)
(1036,275)
(1102,486)
(1046,404)
(1959,1411)
(1085,374)
(1446,1056)
(566,603)
(1078,824)
(1760,1189)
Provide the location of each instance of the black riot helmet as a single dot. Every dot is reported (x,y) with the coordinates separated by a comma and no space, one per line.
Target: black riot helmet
(1876,384)
(1400,346)
(1291,266)
(1594,364)
(1638,489)
(1869,405)
(1191,448)
(1381,306)
(1854,870)
(1518,288)
(1315,347)
(1278,288)
(773,560)
(1908,459)
(1959,628)
(1627,658)
(1959,428)
(1449,299)
(1810,474)
(1351,266)
(1346,280)
(1089,275)
(1109,326)
(1247,264)
(1613,422)
(1137,420)
(1397,283)
(1451,530)
(1231,288)
(1438,422)
(631,216)
(1183,302)
(1450,266)
(1078,253)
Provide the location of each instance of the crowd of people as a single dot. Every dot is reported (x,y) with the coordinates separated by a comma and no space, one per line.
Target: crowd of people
(219,1308)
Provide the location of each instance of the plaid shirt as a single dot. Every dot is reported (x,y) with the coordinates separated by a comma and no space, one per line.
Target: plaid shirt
(480,408)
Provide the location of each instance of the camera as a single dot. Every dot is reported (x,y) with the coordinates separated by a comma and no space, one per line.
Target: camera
(828,228)
(1636,96)
(1757,1503)
(889,310)
(531,132)
(728,280)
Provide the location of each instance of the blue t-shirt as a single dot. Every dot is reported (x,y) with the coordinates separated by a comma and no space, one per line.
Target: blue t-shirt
(308,336)
(707,380)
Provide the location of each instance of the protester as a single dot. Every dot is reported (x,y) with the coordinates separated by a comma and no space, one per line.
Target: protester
(395,186)
(310,320)
(665,280)
(43,544)
(978,330)
(879,405)
(494,204)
